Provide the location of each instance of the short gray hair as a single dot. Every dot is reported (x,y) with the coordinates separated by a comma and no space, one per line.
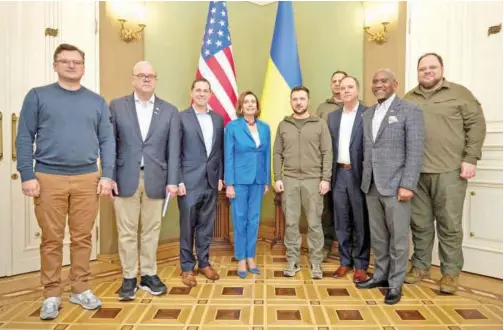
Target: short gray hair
(388,72)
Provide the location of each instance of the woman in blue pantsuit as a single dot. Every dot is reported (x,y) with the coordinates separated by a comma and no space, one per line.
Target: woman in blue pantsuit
(247,175)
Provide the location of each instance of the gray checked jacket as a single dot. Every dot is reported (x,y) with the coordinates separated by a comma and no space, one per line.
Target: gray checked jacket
(395,158)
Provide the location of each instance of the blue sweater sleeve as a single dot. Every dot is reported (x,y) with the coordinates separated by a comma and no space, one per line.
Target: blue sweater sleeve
(107,142)
(28,123)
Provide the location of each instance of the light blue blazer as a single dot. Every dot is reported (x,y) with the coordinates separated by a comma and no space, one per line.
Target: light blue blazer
(244,163)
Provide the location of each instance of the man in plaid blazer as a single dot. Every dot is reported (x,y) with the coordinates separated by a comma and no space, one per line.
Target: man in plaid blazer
(393,151)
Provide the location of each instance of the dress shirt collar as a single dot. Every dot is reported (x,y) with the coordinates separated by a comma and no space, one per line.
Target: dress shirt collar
(151,100)
(201,113)
(386,104)
(353,110)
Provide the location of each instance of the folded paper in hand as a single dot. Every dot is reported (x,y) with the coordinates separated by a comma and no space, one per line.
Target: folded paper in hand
(166,203)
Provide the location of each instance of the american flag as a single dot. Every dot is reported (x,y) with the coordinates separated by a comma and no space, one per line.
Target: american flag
(216,62)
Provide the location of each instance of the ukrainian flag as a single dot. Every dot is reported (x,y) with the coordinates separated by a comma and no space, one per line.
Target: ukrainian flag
(283,71)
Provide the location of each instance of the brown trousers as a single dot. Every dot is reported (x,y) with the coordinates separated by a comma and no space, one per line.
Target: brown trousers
(62,195)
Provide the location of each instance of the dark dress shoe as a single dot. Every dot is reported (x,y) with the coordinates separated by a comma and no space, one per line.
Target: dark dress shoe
(393,296)
(371,284)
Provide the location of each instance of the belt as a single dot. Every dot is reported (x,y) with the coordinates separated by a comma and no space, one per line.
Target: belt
(141,168)
(345,166)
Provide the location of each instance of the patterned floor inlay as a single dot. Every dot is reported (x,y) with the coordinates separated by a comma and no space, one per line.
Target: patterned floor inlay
(267,301)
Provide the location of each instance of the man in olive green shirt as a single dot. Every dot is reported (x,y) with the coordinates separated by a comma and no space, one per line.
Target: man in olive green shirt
(455,130)
(302,165)
(334,102)
(323,110)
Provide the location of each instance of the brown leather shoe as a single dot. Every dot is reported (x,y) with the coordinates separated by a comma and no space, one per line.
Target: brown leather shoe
(189,279)
(359,275)
(209,273)
(341,271)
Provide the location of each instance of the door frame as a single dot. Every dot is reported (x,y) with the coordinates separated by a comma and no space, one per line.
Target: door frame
(7,166)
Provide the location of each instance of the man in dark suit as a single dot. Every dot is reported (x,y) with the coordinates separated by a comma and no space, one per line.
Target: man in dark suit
(393,152)
(350,209)
(201,176)
(147,133)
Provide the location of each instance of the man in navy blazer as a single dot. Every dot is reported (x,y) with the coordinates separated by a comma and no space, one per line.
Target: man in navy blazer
(201,176)
(146,130)
(350,209)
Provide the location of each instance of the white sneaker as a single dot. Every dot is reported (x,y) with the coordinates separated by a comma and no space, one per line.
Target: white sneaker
(316,272)
(291,270)
(86,299)
(50,308)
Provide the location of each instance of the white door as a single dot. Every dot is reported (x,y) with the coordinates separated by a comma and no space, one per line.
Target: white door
(26,61)
(459,32)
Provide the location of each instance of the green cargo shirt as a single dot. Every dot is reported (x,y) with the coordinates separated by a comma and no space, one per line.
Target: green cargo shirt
(455,126)
(305,152)
(325,108)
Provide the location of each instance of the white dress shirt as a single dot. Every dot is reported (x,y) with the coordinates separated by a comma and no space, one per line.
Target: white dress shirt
(206,124)
(379,114)
(255,136)
(144,112)
(345,134)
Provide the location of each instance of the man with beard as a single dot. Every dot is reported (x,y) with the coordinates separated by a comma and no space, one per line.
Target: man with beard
(393,149)
(455,130)
(334,102)
(302,163)
(323,110)
(201,176)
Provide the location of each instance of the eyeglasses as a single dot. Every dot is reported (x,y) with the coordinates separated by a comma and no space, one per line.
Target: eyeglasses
(67,62)
(144,76)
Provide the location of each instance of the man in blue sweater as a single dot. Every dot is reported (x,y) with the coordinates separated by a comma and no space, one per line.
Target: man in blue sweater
(70,126)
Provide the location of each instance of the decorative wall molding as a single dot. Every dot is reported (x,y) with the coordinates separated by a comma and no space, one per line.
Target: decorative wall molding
(262,3)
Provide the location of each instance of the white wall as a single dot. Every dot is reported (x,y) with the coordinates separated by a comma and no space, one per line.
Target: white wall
(458,31)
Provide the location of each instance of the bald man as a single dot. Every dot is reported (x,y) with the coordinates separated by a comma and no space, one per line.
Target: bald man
(147,132)
(393,152)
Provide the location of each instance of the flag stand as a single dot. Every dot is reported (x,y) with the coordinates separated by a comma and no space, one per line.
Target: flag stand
(277,244)
(220,237)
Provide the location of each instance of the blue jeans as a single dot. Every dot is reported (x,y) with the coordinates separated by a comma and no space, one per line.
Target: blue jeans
(246,211)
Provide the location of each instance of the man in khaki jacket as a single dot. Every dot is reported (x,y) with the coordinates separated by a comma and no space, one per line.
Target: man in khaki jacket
(302,164)
(455,130)
(323,110)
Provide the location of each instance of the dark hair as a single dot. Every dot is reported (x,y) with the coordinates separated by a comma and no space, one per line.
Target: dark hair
(201,79)
(355,79)
(241,100)
(300,88)
(440,59)
(339,71)
(67,47)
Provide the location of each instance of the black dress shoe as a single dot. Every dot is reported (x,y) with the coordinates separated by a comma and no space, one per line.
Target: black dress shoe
(393,296)
(372,283)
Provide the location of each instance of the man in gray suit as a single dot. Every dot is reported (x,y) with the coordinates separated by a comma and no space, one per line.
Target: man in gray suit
(147,132)
(393,152)
(201,176)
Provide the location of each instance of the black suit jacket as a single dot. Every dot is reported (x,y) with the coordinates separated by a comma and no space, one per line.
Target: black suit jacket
(356,142)
(196,169)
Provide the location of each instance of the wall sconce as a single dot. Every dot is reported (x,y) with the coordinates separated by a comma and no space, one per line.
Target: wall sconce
(379,37)
(128,35)
(132,12)
(379,13)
